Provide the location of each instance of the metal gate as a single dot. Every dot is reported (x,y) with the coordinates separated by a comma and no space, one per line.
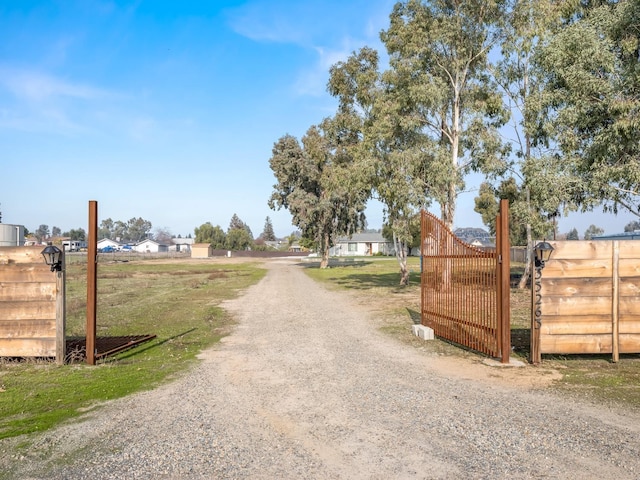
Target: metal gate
(465,290)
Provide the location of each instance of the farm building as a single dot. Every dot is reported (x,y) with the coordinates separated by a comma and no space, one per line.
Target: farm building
(201,250)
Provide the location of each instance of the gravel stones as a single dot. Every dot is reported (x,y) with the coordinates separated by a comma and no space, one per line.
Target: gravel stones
(307,388)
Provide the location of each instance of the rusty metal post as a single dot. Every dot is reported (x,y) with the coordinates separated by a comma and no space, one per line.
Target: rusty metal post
(504,281)
(92,280)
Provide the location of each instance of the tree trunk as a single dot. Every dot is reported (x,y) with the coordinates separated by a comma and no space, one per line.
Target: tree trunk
(527,260)
(401,255)
(324,262)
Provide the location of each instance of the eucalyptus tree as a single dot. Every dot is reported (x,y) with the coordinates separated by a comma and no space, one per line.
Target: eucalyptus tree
(438,63)
(592,101)
(390,158)
(313,184)
(530,23)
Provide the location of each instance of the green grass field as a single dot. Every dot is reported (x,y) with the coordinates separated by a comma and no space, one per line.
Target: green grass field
(174,300)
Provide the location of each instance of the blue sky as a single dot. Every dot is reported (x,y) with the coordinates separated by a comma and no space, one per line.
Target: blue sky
(168,110)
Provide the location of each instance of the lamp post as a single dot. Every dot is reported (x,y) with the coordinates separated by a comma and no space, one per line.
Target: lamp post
(542,254)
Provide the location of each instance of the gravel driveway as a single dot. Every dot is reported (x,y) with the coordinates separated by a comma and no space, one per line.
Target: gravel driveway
(306,387)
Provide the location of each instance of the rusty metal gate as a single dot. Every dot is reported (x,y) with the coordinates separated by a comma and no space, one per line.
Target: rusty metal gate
(465,290)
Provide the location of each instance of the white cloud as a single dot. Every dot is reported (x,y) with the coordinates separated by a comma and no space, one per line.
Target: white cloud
(37,86)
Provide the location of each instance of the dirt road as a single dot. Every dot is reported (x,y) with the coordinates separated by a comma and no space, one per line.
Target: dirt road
(306,387)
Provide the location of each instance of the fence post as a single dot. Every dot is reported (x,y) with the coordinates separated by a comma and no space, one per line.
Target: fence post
(503,277)
(61,341)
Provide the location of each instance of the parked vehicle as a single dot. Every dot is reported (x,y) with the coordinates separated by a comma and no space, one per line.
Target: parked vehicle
(108,249)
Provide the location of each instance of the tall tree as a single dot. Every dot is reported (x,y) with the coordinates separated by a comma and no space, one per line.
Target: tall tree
(390,156)
(267,232)
(238,239)
(55,231)
(530,22)
(163,235)
(204,233)
(42,233)
(592,231)
(593,100)
(439,55)
(137,229)
(106,229)
(632,226)
(78,234)
(313,185)
(573,234)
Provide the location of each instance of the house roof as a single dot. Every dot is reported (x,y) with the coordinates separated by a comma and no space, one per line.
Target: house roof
(364,238)
(148,240)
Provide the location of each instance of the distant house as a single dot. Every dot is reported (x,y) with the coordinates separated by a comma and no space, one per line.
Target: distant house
(107,242)
(362,244)
(201,250)
(181,244)
(478,237)
(150,246)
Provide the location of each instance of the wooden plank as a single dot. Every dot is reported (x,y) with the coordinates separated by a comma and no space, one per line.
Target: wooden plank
(629,286)
(629,305)
(18,255)
(577,325)
(576,250)
(574,344)
(630,267)
(26,272)
(629,249)
(25,292)
(598,268)
(629,343)
(577,287)
(27,310)
(18,347)
(629,324)
(32,328)
(575,306)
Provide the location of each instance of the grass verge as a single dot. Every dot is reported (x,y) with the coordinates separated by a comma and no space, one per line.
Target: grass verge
(175,300)
(375,282)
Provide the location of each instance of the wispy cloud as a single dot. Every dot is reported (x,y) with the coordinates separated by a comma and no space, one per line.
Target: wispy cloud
(318,27)
(38,86)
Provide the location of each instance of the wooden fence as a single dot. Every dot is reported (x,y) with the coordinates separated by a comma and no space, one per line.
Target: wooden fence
(589,300)
(31,305)
(465,290)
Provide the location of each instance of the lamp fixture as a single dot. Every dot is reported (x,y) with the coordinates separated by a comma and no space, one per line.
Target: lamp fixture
(542,252)
(52,257)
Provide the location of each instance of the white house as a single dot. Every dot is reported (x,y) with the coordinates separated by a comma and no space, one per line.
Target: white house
(107,242)
(181,244)
(362,244)
(150,246)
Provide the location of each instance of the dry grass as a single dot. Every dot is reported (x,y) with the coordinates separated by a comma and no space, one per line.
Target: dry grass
(374,284)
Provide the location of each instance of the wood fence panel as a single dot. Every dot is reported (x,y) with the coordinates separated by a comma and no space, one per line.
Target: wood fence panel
(33,328)
(590,302)
(28,347)
(31,305)
(25,292)
(594,324)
